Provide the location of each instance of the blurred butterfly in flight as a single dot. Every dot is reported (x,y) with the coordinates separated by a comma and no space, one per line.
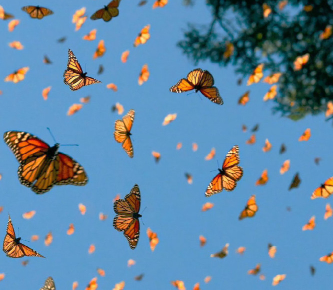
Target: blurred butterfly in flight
(74,76)
(49,284)
(108,12)
(42,166)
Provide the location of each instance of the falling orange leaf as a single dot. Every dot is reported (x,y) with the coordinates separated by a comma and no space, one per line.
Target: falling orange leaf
(48,239)
(202,240)
(71,229)
(328,211)
(82,208)
(263,179)
(45,93)
(306,135)
(130,263)
(100,50)
(207,206)
(12,24)
(91,35)
(169,118)
(124,56)
(28,215)
(73,109)
(153,239)
(144,75)
(267,147)
(16,44)
(156,155)
(92,249)
(278,278)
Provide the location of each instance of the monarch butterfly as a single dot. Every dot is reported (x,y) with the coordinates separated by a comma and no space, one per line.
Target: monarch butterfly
(124,56)
(229,50)
(271,94)
(139,277)
(285,167)
(255,271)
(122,132)
(169,118)
(199,80)
(45,93)
(207,206)
(241,250)
(127,218)
(272,79)
(153,239)
(49,284)
(256,76)
(250,209)
(17,76)
(37,12)
(92,284)
(271,250)
(326,33)
(328,211)
(46,60)
(144,75)
(42,166)
(228,175)
(202,240)
(74,109)
(106,13)
(324,190)
(244,98)
(12,24)
(101,272)
(283,148)
(4,15)
(266,10)
(100,50)
(278,278)
(295,182)
(301,61)
(12,246)
(328,258)
(74,76)
(48,239)
(156,155)
(223,253)
(310,225)
(178,284)
(130,263)
(16,44)
(143,36)
(211,154)
(251,140)
(312,270)
(91,35)
(267,147)
(306,135)
(160,3)
(263,178)
(78,14)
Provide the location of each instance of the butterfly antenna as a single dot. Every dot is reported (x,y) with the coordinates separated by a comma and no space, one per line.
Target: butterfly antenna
(144,209)
(51,135)
(70,145)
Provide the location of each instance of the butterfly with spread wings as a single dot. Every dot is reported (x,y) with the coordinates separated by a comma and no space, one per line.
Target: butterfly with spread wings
(49,284)
(42,166)
(108,12)
(12,246)
(37,12)
(127,218)
(74,76)
(199,80)
(228,175)
(122,132)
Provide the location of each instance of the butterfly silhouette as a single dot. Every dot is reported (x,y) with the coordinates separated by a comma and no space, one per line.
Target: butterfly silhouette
(250,209)
(49,284)
(42,166)
(123,132)
(37,12)
(127,218)
(228,175)
(199,80)
(108,12)
(12,245)
(74,76)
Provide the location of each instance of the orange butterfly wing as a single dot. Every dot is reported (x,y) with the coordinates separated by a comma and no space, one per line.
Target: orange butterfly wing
(12,246)
(325,190)
(229,174)
(74,76)
(126,220)
(108,12)
(37,12)
(250,209)
(123,131)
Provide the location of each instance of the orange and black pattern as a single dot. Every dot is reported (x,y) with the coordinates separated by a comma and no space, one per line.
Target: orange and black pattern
(41,166)
(228,175)
(12,246)
(49,284)
(74,76)
(199,80)
(127,218)
(108,12)
(37,12)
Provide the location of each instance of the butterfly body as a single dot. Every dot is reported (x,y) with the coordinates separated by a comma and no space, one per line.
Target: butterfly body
(41,166)
(108,12)
(37,12)
(74,76)
(127,218)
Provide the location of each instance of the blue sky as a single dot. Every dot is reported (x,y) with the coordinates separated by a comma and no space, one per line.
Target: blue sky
(173,207)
